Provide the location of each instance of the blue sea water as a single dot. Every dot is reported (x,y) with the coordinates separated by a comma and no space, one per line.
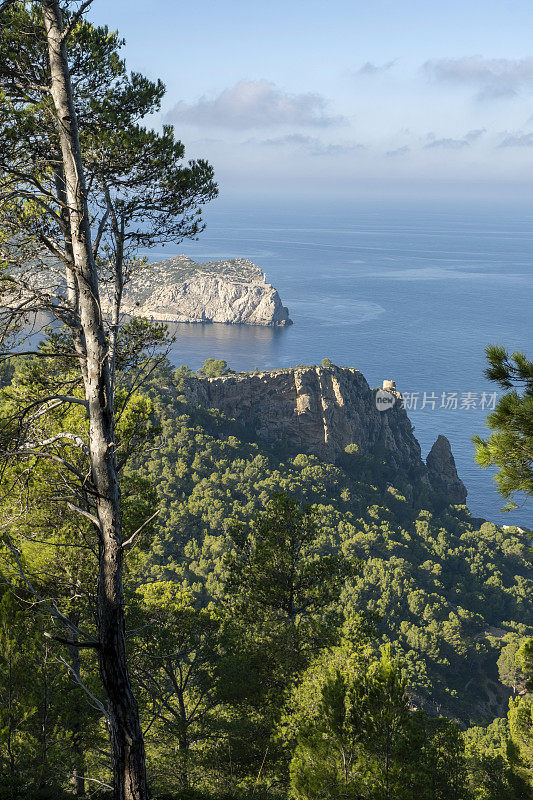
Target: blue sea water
(398,290)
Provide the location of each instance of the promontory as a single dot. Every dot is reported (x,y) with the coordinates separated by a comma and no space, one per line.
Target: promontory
(182,290)
(330,412)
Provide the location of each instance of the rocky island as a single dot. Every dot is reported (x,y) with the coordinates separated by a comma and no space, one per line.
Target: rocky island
(182,290)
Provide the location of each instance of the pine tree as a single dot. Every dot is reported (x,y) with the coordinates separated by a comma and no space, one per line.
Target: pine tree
(510,446)
(82,184)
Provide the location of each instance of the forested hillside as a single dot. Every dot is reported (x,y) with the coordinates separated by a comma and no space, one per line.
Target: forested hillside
(262,581)
(437,579)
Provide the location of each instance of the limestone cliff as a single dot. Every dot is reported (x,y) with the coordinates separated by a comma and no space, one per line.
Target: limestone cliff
(181,290)
(322,411)
(442,472)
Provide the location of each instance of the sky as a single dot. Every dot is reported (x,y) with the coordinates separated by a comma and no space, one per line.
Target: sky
(343,98)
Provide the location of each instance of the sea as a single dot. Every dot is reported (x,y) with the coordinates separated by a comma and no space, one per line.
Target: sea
(407,291)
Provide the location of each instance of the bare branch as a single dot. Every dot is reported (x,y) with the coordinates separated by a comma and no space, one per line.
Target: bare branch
(93,700)
(56,249)
(20,354)
(60,398)
(87,514)
(142,375)
(138,531)
(72,642)
(76,440)
(100,232)
(52,457)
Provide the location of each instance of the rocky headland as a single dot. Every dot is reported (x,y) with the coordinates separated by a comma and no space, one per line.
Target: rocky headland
(181,290)
(328,411)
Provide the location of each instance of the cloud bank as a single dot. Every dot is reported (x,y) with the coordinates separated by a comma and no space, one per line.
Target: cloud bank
(493,77)
(517,140)
(255,104)
(311,145)
(455,144)
(399,151)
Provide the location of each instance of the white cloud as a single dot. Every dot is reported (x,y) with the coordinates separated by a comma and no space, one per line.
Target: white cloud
(455,144)
(298,139)
(400,151)
(310,144)
(450,144)
(339,149)
(493,77)
(517,140)
(373,69)
(256,104)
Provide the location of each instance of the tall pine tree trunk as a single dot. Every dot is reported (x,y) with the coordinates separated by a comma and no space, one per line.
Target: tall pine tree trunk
(129,768)
(76,724)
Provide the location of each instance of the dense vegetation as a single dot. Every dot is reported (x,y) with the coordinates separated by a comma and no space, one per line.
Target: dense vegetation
(294,626)
(184,612)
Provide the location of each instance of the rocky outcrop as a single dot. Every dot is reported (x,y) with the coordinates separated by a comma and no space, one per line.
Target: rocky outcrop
(322,411)
(181,290)
(442,472)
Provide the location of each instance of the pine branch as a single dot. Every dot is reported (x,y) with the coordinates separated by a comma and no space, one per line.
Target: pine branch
(75,19)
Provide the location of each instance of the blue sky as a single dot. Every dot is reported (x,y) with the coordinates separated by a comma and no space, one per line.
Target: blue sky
(344,98)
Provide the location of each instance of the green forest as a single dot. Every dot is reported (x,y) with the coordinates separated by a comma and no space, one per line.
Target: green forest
(187,613)
(293,627)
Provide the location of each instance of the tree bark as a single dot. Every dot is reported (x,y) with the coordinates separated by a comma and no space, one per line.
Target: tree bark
(129,768)
(183,744)
(44,719)
(118,232)
(76,725)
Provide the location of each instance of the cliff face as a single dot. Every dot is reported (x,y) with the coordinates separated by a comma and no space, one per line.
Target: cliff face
(442,472)
(322,411)
(181,290)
